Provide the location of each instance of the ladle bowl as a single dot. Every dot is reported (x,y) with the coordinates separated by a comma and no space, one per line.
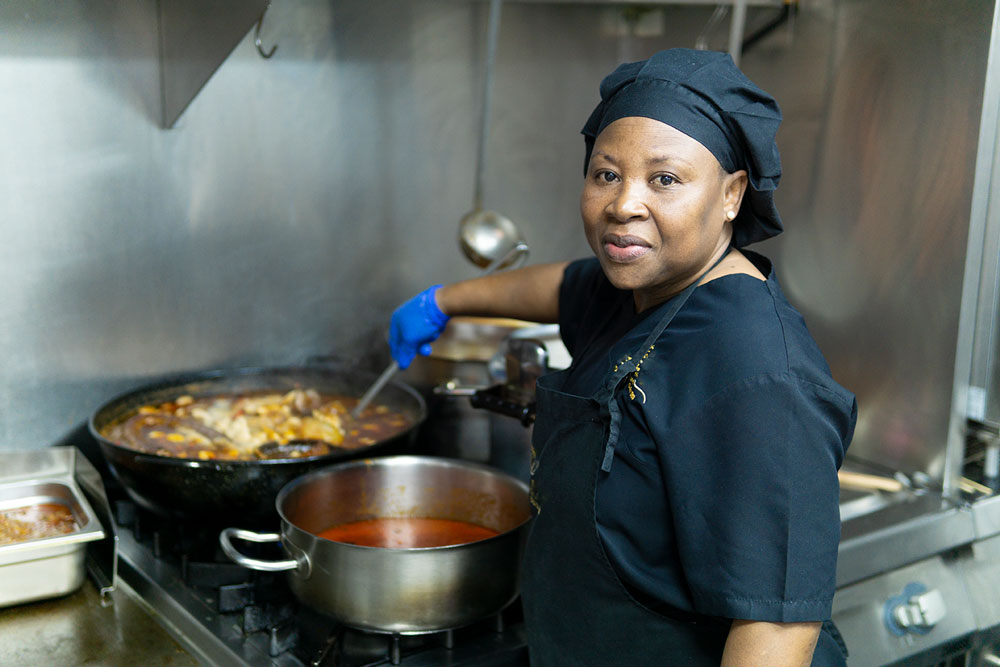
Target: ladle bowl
(489,239)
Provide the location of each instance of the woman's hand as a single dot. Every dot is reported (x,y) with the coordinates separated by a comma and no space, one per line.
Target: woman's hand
(414,326)
(761,644)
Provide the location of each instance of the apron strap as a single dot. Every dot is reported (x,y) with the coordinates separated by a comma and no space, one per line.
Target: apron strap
(631,364)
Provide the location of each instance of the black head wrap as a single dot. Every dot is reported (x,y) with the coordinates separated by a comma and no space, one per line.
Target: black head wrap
(704,95)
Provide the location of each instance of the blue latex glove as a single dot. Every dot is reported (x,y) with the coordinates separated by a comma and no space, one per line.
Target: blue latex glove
(414,325)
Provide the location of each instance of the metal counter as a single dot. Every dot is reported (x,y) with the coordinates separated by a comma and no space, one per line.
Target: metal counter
(78,629)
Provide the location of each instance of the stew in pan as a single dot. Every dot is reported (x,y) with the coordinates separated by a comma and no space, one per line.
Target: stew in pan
(254,425)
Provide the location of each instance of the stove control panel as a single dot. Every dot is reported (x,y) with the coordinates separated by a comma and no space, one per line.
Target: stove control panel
(915,610)
(905,615)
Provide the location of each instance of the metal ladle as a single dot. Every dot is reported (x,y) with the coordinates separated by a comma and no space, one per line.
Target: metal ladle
(489,239)
(375,388)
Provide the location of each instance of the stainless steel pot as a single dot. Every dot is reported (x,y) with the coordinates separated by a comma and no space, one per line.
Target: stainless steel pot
(463,360)
(400,591)
(473,354)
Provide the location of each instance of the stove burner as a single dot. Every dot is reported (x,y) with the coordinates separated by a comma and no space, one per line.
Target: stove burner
(320,644)
(265,614)
(226,615)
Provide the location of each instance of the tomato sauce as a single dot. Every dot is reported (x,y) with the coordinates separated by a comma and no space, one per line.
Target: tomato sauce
(407,533)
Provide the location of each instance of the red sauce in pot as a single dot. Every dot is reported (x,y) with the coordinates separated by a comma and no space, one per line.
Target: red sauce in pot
(407,533)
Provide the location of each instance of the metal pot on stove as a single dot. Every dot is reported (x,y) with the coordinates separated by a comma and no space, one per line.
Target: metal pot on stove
(460,362)
(398,590)
(463,360)
(480,373)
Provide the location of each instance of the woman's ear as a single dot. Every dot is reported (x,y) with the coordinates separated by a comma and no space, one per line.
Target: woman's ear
(734,185)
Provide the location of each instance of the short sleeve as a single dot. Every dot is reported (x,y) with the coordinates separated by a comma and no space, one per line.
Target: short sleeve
(752,477)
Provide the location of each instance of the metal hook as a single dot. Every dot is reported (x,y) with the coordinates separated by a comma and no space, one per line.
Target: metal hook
(256,40)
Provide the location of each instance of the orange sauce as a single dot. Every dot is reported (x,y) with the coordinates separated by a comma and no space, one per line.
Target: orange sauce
(407,533)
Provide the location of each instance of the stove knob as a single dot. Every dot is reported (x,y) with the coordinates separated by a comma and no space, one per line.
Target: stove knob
(916,610)
(921,611)
(989,659)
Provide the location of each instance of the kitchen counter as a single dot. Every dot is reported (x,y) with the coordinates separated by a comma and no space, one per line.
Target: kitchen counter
(77,630)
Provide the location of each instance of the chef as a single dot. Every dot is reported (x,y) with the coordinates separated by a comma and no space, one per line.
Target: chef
(684,468)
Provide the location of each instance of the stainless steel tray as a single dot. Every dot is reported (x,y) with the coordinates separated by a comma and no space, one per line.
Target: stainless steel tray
(49,566)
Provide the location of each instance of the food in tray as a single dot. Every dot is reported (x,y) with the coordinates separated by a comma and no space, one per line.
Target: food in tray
(33,522)
(253,426)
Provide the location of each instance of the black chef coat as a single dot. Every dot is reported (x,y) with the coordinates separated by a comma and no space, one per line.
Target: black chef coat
(722,497)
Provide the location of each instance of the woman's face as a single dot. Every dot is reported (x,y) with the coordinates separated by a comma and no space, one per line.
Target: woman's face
(654,206)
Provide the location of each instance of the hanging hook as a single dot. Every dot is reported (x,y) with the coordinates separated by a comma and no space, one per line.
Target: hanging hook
(256,40)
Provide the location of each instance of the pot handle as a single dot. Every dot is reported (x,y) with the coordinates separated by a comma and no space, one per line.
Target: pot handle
(225,540)
(455,388)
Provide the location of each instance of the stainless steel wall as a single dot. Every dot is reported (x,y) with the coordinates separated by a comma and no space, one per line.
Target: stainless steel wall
(299,199)
(876,257)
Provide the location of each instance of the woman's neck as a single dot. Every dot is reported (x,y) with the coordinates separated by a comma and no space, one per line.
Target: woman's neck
(646,299)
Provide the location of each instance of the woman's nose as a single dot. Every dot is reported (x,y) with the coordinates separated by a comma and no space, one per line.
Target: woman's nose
(628,203)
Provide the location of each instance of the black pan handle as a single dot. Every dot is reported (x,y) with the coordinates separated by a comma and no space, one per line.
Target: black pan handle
(497,399)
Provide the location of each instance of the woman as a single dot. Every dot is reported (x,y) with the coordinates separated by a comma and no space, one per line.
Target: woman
(684,467)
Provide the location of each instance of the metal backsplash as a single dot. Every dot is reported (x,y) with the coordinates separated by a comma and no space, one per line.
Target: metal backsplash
(300,198)
(875,259)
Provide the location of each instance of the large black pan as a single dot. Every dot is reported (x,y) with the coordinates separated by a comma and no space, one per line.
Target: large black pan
(226,491)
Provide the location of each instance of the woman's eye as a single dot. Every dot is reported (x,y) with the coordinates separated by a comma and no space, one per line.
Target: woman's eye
(607,176)
(665,180)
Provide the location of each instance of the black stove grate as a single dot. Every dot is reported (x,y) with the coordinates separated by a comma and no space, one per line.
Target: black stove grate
(228,615)
(263,608)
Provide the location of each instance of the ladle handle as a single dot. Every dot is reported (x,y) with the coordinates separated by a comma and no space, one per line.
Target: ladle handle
(517,253)
(492,37)
(375,388)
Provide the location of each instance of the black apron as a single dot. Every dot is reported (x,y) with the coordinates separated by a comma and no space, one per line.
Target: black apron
(577,611)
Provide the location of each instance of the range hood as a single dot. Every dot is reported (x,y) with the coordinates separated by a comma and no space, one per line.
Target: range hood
(196,36)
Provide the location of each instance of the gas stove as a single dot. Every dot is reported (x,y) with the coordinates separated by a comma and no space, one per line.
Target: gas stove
(224,614)
(227,615)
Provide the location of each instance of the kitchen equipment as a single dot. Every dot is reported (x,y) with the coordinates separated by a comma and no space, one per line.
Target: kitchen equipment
(528,354)
(865,482)
(489,239)
(236,490)
(49,566)
(526,361)
(463,358)
(469,368)
(225,614)
(401,591)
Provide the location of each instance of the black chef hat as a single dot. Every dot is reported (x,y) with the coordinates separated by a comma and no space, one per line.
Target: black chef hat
(704,95)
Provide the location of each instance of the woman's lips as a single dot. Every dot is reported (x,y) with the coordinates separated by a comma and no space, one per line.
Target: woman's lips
(624,248)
